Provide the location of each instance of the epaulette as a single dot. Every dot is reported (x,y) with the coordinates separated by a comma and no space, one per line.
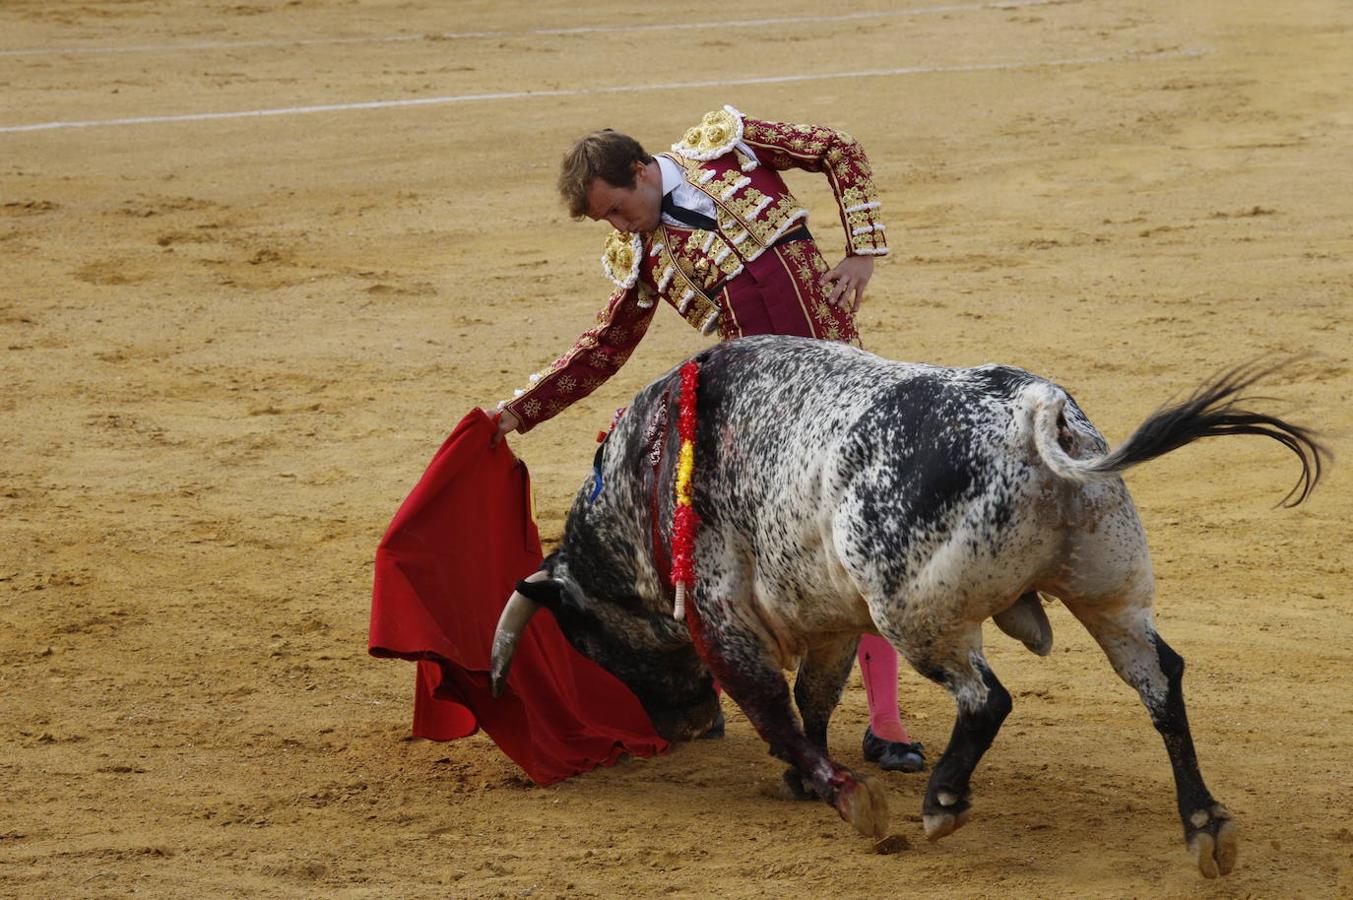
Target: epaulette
(621,258)
(718,132)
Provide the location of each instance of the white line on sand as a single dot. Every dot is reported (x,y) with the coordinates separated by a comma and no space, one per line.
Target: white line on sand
(578,92)
(534,32)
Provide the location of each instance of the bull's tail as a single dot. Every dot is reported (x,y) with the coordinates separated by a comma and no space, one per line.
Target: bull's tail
(1209,412)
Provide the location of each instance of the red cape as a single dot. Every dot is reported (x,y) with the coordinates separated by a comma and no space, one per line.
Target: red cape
(444,571)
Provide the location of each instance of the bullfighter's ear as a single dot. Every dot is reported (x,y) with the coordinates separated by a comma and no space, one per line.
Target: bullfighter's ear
(548,592)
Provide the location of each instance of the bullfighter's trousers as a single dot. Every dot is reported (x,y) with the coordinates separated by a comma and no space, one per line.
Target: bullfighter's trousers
(779,293)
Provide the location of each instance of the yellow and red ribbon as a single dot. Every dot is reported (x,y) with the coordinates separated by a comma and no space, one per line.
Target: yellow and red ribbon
(685,521)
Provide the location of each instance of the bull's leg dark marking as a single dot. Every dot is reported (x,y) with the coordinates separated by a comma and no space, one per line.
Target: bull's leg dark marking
(817,690)
(983,703)
(1142,658)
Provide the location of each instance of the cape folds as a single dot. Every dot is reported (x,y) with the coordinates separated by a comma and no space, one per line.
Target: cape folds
(444,571)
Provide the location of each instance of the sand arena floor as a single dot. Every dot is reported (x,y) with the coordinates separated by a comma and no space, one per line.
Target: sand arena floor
(231,345)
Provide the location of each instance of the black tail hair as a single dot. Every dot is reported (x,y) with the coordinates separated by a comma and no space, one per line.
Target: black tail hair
(1211,411)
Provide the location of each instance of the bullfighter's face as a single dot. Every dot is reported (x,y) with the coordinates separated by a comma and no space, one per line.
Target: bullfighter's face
(636,208)
(652,655)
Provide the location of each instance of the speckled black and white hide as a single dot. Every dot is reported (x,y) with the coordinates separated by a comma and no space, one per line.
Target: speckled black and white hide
(841,493)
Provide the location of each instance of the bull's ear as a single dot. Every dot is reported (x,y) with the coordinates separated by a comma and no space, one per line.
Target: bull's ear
(547,592)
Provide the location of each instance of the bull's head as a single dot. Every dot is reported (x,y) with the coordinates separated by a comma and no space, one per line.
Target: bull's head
(651,654)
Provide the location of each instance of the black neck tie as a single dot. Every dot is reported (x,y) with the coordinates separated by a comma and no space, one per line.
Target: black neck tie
(687,216)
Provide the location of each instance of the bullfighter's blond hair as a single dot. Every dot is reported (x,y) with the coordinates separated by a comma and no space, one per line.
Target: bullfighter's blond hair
(606,154)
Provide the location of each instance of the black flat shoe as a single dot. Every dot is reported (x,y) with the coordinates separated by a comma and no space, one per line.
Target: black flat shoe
(893,756)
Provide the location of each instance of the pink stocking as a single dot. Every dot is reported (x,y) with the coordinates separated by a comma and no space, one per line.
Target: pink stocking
(878,668)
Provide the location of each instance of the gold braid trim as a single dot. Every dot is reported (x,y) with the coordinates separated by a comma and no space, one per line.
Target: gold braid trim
(621,258)
(718,132)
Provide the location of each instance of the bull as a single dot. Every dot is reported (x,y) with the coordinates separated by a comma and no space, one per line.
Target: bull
(842,493)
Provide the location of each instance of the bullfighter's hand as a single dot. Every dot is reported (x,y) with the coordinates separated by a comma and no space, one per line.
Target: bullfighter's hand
(506,422)
(848,281)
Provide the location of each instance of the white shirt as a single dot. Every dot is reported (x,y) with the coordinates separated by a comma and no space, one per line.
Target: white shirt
(684,194)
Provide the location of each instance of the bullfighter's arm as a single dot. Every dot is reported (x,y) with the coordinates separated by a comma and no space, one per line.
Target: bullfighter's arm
(837,155)
(597,355)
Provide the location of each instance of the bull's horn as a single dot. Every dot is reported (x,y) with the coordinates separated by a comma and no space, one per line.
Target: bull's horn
(511,626)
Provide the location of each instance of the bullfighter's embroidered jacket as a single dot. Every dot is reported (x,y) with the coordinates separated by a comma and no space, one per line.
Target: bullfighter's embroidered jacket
(735,160)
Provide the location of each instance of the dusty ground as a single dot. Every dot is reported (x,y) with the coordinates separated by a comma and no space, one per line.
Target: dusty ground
(231,346)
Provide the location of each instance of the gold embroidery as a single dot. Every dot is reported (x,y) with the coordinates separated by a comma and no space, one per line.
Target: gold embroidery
(860,218)
(682,289)
(725,183)
(621,257)
(716,134)
(744,203)
(858,196)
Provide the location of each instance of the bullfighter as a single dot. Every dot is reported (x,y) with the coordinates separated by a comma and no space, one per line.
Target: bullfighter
(711,229)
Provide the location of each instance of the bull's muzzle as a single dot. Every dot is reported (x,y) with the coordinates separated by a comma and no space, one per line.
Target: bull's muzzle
(511,626)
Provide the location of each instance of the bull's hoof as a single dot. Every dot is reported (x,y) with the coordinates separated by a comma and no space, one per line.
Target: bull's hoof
(944,824)
(796,787)
(1213,839)
(949,813)
(863,803)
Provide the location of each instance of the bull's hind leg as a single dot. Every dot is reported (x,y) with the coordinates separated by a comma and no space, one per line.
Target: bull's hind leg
(983,703)
(1126,631)
(737,654)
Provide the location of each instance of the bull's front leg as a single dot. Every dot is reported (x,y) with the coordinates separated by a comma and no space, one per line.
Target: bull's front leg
(738,657)
(817,691)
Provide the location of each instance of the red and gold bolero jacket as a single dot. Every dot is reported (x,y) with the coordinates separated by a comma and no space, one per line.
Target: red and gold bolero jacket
(736,161)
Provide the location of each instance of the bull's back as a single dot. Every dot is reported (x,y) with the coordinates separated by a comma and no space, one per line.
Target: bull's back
(814,456)
(822,458)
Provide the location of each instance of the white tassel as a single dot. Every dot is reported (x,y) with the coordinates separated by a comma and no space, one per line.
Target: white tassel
(679,609)
(751,162)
